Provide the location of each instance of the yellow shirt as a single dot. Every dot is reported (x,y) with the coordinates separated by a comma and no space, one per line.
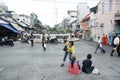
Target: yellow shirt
(66,44)
(70,49)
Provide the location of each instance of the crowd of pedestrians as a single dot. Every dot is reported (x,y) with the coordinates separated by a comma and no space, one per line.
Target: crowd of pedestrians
(74,65)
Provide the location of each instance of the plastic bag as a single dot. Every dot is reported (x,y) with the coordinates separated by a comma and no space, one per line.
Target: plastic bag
(45,45)
(29,42)
(95,71)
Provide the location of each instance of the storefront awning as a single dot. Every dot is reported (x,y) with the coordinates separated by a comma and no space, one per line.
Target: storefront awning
(17,27)
(8,26)
(85,27)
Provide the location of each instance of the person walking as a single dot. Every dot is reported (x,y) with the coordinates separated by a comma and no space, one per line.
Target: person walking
(48,38)
(116,45)
(99,46)
(43,42)
(69,50)
(87,65)
(32,39)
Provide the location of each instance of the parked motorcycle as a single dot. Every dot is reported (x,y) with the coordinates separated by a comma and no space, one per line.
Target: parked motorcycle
(7,42)
(53,40)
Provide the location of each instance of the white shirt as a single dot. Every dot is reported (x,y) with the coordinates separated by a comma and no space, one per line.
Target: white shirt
(116,40)
(100,42)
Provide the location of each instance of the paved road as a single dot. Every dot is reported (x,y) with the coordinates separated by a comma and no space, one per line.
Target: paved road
(23,62)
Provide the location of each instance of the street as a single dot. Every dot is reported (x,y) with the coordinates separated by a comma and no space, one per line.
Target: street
(23,62)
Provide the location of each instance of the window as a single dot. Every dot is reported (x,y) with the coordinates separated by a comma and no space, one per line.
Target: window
(103,8)
(110,5)
(102,25)
(101,28)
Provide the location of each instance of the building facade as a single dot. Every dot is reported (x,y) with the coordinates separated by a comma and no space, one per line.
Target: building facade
(3,7)
(82,10)
(72,16)
(24,19)
(105,18)
(84,25)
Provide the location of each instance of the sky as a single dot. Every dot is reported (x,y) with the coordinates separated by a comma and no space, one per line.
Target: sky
(49,12)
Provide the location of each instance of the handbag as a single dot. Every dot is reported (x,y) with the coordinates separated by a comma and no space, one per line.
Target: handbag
(65,48)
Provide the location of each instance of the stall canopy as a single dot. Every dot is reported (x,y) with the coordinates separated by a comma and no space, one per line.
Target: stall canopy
(10,27)
(17,27)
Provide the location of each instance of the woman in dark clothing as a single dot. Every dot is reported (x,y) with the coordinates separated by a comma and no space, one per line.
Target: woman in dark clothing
(87,65)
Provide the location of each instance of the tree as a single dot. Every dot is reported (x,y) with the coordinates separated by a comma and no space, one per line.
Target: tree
(52,29)
(68,30)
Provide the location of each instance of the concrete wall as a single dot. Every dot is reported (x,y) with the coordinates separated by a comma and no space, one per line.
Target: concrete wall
(72,16)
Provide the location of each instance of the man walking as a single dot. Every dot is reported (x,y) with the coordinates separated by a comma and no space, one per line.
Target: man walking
(99,46)
(116,45)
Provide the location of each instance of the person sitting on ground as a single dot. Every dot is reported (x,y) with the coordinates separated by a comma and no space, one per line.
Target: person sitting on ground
(87,65)
(73,66)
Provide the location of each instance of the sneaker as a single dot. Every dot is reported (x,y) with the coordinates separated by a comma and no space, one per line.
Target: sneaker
(62,65)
